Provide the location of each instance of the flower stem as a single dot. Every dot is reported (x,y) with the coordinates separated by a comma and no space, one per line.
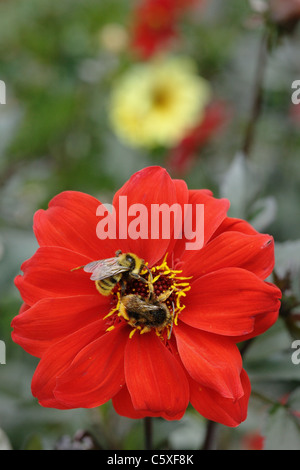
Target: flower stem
(257,94)
(210,438)
(148,433)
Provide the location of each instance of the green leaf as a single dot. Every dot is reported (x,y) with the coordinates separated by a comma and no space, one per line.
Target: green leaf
(287,257)
(17,246)
(4,441)
(264,213)
(294,399)
(240,184)
(282,430)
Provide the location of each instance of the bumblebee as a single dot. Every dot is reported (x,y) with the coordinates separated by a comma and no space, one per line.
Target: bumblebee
(147,313)
(108,272)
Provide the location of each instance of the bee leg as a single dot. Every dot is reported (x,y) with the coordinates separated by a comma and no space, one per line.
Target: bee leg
(123,286)
(150,286)
(139,278)
(136,276)
(118,253)
(171,327)
(146,329)
(78,267)
(165,295)
(123,313)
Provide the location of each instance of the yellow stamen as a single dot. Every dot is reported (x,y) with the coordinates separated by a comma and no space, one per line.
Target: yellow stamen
(124,315)
(110,328)
(146,329)
(156,278)
(132,333)
(114,310)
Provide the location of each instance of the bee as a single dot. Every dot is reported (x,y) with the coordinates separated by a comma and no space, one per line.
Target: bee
(149,312)
(108,272)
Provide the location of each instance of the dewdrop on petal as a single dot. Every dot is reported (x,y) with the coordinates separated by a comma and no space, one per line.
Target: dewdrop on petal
(155,103)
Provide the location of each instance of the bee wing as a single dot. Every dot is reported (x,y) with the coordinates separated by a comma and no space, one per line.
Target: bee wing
(104,268)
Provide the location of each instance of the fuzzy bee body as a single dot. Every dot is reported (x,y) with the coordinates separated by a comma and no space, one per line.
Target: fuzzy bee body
(147,313)
(111,271)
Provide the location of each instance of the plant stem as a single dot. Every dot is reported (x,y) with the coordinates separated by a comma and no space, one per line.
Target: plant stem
(246,346)
(210,438)
(148,433)
(212,427)
(257,94)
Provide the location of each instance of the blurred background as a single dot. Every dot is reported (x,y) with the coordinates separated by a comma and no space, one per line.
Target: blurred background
(77,75)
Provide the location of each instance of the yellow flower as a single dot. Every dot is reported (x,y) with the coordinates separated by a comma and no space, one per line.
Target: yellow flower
(156,103)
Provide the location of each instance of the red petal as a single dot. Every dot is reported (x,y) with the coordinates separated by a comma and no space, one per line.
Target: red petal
(155,379)
(48,274)
(227,301)
(147,187)
(57,359)
(123,406)
(183,155)
(217,408)
(215,211)
(182,199)
(235,225)
(24,308)
(50,320)
(212,361)
(97,372)
(261,324)
(254,253)
(71,222)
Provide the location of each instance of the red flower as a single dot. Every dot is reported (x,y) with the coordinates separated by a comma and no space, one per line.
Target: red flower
(285,13)
(91,351)
(182,157)
(155,25)
(253,441)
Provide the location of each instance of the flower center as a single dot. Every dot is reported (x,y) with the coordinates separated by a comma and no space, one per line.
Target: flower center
(153,303)
(161,98)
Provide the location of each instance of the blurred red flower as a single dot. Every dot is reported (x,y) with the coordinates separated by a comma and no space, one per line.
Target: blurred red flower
(285,13)
(154,25)
(253,441)
(181,158)
(90,353)
(294,115)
